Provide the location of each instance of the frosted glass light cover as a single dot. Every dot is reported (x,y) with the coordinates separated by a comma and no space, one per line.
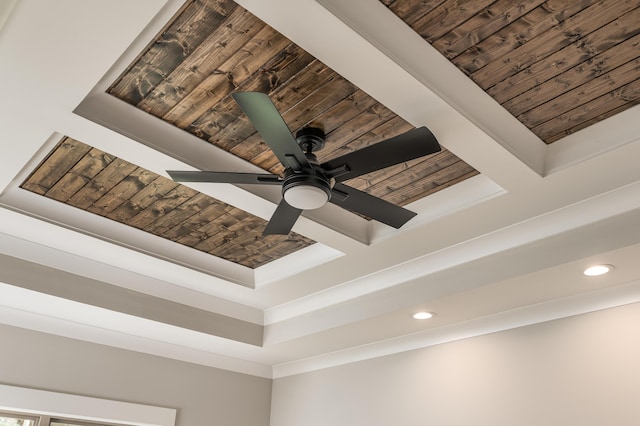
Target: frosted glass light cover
(305,197)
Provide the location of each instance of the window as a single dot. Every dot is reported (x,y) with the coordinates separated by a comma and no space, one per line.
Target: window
(16,419)
(22,419)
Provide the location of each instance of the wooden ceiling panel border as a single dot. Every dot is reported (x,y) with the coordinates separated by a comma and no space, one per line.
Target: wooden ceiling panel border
(95,181)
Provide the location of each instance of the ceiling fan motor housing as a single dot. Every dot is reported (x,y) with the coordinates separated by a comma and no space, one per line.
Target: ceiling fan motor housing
(310,139)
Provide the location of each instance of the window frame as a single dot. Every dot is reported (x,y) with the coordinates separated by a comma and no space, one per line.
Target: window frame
(48,405)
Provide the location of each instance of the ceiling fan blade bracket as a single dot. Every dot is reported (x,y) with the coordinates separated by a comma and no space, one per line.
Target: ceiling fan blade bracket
(293,163)
(269,179)
(223,177)
(337,171)
(338,195)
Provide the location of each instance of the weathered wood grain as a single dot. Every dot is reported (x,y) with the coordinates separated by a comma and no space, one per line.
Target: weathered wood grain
(282,66)
(122,192)
(595,55)
(587,123)
(443,178)
(557,37)
(628,94)
(582,67)
(484,23)
(114,188)
(352,129)
(194,228)
(412,10)
(64,156)
(608,83)
(80,174)
(180,214)
(380,184)
(446,16)
(142,199)
(516,34)
(99,185)
(221,44)
(175,42)
(223,80)
(546,62)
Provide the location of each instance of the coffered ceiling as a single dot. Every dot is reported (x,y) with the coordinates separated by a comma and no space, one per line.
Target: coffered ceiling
(532,102)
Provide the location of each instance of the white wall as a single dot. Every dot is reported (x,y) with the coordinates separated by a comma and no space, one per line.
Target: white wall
(201,395)
(583,370)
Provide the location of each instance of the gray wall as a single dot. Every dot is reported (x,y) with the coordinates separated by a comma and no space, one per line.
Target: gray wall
(583,370)
(202,395)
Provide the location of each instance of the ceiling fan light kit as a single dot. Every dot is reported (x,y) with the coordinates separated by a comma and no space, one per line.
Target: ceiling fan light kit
(307,184)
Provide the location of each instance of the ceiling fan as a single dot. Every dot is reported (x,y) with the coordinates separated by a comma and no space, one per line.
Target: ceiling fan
(308,184)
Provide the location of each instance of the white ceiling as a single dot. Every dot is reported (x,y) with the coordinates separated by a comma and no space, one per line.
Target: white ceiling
(501,250)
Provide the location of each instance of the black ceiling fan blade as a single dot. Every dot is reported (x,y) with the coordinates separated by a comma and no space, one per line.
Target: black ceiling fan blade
(376,208)
(413,144)
(282,220)
(224,177)
(270,125)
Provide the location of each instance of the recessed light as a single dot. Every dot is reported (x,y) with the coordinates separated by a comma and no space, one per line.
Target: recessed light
(595,270)
(422,315)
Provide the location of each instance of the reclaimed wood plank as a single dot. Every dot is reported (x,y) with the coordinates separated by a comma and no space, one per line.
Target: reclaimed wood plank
(274,73)
(221,45)
(564,71)
(424,170)
(174,43)
(557,37)
(519,32)
(161,206)
(441,179)
(62,158)
(628,95)
(582,94)
(447,16)
(79,175)
(484,23)
(180,214)
(412,10)
(603,64)
(123,191)
(100,184)
(196,224)
(223,235)
(587,123)
(142,199)
(223,80)
(214,241)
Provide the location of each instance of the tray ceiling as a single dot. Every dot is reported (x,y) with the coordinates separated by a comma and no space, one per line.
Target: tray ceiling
(502,249)
(557,66)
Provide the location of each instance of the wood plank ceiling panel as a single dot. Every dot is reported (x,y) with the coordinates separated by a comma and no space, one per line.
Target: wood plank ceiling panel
(557,66)
(214,48)
(81,176)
